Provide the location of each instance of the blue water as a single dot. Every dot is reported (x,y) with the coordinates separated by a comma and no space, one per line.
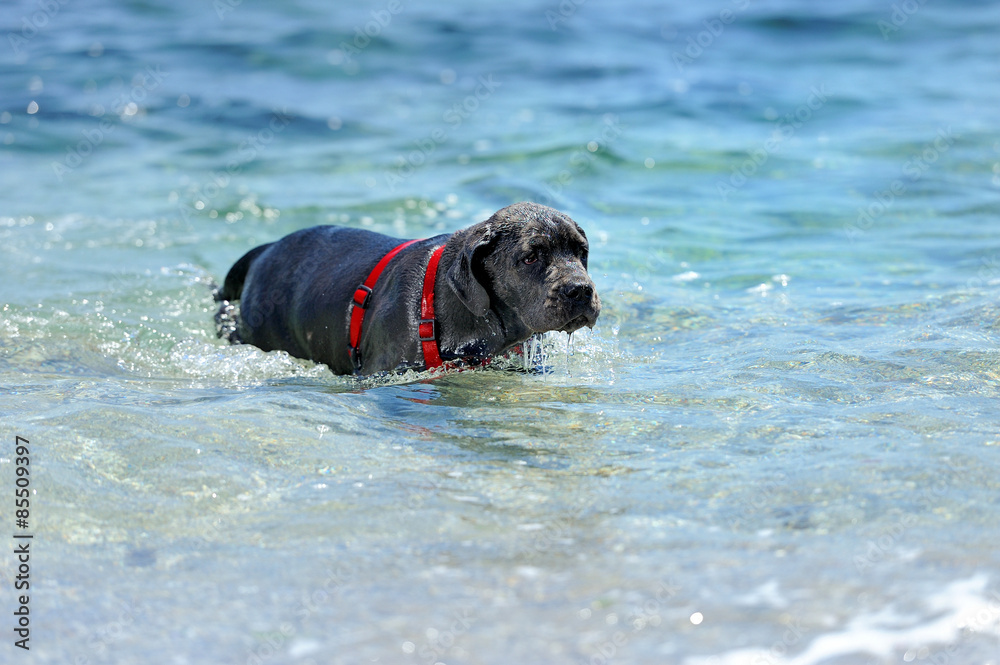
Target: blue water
(779,444)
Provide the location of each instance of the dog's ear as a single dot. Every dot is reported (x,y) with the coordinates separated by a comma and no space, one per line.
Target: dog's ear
(462,276)
(586,246)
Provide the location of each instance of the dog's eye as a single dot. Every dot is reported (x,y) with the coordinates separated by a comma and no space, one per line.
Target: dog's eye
(530,258)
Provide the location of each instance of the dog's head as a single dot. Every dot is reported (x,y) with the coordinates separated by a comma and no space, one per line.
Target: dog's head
(528,263)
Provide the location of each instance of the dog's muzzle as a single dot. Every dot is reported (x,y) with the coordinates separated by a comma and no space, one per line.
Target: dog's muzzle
(580,303)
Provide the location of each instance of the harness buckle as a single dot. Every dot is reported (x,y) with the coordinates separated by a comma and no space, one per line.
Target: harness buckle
(427,330)
(365,294)
(354,354)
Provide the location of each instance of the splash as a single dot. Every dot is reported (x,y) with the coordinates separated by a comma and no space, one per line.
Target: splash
(962,610)
(535,354)
(569,354)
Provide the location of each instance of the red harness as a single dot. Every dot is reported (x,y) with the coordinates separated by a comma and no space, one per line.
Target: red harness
(427,328)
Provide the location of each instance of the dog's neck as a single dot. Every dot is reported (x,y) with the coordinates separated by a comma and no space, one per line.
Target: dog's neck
(467,336)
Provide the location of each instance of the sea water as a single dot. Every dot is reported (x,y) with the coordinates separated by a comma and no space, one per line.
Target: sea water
(779,444)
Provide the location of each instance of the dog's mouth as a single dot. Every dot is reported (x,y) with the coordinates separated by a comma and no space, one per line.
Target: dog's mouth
(568,317)
(575,324)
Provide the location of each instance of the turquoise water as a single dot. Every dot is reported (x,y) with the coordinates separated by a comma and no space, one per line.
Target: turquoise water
(778,445)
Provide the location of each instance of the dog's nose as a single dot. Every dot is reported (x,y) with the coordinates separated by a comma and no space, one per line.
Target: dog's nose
(580,292)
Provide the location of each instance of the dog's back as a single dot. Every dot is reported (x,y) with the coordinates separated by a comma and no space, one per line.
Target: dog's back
(294,294)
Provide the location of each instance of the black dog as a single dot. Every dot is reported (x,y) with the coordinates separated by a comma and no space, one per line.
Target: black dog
(358,301)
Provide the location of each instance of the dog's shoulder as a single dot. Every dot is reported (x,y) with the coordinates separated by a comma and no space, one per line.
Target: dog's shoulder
(332,233)
(326,243)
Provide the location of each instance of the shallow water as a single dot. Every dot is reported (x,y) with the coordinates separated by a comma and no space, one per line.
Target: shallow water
(778,445)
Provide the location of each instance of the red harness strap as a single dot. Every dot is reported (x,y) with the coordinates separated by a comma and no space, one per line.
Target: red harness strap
(427,329)
(362,298)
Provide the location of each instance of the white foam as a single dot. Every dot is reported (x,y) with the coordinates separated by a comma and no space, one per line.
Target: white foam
(767,594)
(963,605)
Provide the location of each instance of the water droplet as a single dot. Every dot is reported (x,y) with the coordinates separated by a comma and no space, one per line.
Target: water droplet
(569,354)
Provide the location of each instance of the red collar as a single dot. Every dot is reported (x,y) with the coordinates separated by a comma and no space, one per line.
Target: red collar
(427,328)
